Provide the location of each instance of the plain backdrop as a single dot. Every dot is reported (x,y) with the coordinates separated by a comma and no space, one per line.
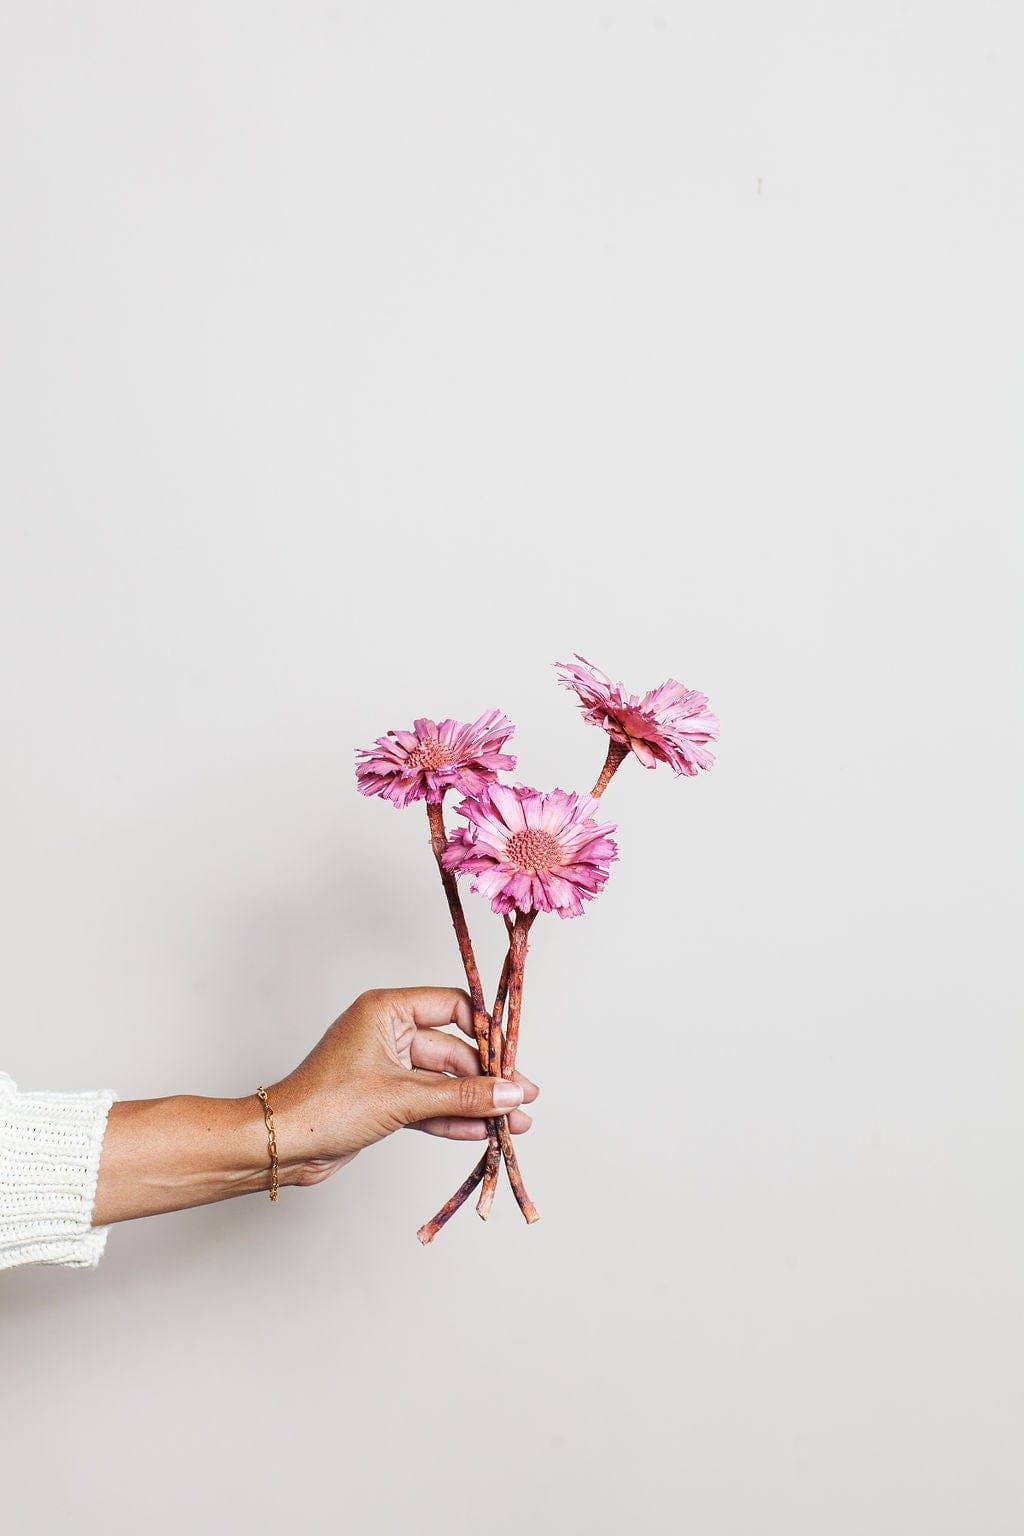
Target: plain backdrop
(359,361)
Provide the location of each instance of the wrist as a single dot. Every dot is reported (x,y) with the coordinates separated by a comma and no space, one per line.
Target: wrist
(247,1146)
(290,1113)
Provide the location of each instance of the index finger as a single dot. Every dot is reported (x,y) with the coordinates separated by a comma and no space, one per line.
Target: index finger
(432,1007)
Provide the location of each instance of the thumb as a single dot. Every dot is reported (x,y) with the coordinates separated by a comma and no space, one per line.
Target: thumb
(472,1098)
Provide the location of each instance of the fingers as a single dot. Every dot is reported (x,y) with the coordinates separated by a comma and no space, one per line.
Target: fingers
(436,1051)
(530,1090)
(454,1129)
(425,1095)
(433,1006)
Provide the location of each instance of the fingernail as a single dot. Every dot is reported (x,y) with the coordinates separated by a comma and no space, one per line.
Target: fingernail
(507,1095)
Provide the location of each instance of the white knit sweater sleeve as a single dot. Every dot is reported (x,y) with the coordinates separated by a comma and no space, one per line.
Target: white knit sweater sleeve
(50,1147)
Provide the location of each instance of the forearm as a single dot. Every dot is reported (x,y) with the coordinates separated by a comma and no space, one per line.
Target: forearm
(167,1154)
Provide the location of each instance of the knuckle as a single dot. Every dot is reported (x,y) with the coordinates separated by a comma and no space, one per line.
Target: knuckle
(367,1003)
(453,1058)
(467,1095)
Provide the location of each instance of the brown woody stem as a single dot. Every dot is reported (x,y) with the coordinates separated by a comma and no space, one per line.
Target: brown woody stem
(438,844)
(517,959)
(494,1054)
(430,1229)
(481,1019)
(496,1038)
(492,1167)
(617,753)
(515,1178)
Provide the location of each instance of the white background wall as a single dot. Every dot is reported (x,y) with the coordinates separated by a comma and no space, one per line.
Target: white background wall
(359,361)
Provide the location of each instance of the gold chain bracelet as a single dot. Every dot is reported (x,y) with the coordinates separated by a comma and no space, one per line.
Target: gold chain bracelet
(268,1115)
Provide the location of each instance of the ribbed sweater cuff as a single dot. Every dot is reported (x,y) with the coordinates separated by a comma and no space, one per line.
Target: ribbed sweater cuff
(50,1146)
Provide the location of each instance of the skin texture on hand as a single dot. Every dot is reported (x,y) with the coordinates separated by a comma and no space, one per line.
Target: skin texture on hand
(386,1063)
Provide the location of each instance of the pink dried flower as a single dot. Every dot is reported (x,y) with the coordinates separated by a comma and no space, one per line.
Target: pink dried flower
(404,766)
(532,852)
(671,724)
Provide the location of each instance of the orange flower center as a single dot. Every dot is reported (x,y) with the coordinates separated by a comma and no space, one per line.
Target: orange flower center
(430,754)
(534,851)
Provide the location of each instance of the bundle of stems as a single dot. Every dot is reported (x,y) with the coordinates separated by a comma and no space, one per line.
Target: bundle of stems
(497,1046)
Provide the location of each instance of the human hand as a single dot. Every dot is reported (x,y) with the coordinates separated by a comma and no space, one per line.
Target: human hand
(387,1063)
